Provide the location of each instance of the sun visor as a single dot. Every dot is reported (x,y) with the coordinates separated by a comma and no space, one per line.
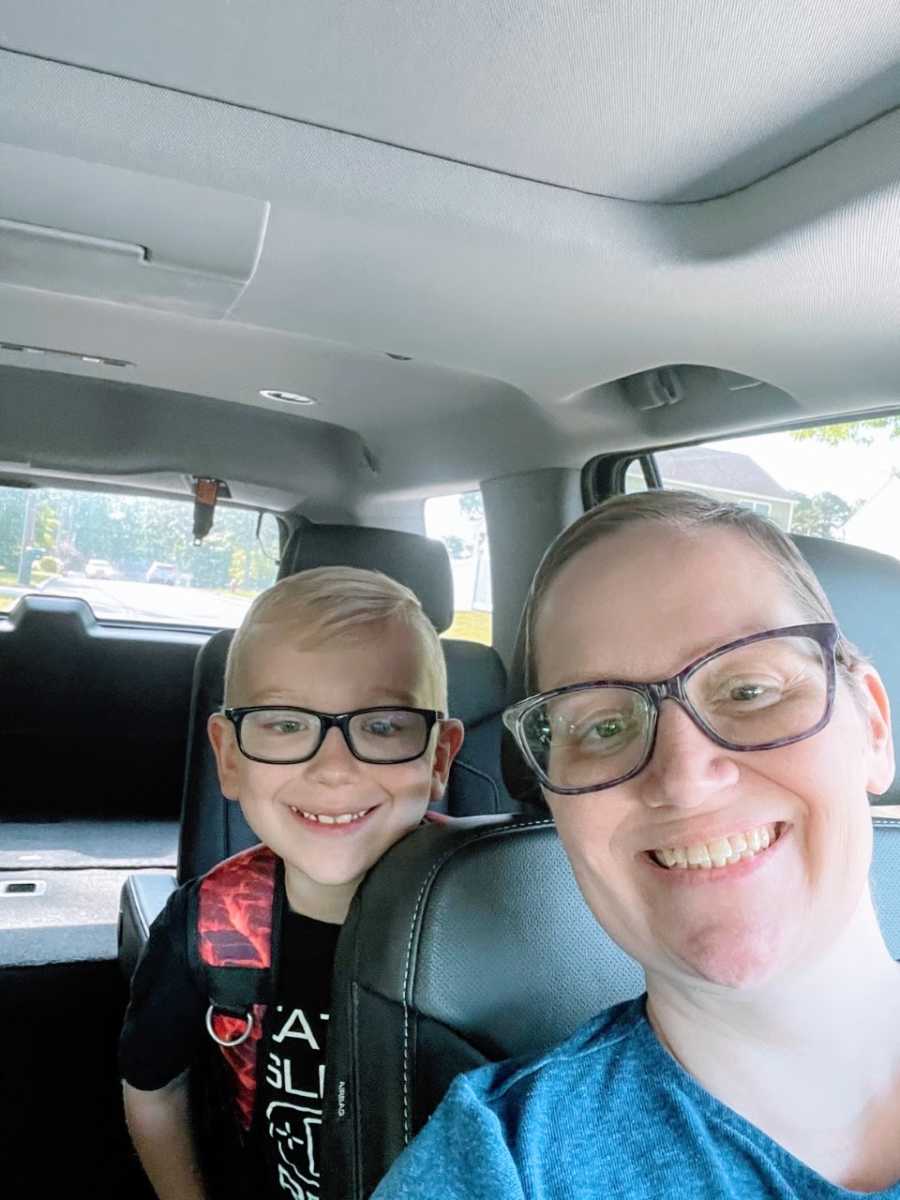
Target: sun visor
(87,229)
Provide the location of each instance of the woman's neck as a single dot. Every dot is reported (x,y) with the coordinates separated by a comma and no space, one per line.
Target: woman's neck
(807,1057)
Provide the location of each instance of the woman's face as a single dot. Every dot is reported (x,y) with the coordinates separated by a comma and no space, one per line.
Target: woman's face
(639,605)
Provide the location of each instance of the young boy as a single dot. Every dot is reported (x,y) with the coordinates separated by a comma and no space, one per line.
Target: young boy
(333,740)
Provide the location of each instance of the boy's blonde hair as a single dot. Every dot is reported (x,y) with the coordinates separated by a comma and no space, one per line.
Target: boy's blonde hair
(326,602)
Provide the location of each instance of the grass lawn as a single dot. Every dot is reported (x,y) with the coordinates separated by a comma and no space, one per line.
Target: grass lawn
(471,627)
(10,579)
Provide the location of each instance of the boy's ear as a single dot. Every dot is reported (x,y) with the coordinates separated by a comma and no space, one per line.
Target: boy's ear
(224,743)
(450,737)
(878,721)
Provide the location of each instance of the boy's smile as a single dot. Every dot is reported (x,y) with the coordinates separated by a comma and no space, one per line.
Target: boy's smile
(332,817)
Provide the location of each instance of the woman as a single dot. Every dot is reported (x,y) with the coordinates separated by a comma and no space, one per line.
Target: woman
(718,825)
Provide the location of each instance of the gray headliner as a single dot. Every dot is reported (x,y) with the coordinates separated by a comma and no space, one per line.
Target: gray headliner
(605,97)
(521,303)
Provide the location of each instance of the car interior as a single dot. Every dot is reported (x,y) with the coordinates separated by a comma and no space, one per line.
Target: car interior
(315,267)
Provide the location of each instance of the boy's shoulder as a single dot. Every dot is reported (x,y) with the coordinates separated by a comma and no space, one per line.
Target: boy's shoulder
(617,1035)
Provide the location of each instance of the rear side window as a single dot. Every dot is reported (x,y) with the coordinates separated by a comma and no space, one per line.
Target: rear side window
(458,521)
(833,481)
(132,558)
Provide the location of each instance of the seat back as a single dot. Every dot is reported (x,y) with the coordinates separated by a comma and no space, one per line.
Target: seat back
(212,828)
(82,702)
(864,590)
(468,944)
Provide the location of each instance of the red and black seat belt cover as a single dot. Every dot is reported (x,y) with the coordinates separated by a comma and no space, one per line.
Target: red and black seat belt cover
(237,906)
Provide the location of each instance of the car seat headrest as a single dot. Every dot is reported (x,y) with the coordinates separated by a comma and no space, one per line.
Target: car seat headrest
(418,562)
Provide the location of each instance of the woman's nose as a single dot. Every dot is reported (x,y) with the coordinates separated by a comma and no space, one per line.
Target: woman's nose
(687,768)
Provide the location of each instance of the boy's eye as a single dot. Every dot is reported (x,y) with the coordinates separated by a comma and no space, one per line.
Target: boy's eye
(384,724)
(286,725)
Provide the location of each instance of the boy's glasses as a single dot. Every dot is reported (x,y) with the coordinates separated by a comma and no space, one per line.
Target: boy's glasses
(758,693)
(270,734)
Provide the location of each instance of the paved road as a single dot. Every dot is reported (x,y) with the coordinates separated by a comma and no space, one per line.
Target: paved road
(122,600)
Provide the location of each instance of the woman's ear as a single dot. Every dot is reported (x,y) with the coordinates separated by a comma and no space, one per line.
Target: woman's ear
(878,724)
(450,737)
(224,743)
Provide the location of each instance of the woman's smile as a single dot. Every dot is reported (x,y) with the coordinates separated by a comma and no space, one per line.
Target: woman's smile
(719,852)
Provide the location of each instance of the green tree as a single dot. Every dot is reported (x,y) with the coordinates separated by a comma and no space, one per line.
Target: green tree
(471,505)
(821,515)
(12,516)
(46,526)
(861,432)
(237,568)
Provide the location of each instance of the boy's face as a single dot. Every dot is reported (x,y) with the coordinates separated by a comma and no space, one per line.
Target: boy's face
(324,862)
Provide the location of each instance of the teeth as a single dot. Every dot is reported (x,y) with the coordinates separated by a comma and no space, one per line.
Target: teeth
(326,819)
(698,856)
(720,852)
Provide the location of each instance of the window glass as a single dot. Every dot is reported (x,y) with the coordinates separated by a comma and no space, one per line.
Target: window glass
(458,521)
(835,481)
(634,477)
(132,558)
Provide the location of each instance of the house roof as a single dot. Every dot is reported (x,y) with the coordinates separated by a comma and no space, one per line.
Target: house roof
(701,465)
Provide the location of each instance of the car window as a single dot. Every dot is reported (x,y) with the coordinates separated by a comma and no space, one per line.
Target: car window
(458,521)
(132,558)
(835,481)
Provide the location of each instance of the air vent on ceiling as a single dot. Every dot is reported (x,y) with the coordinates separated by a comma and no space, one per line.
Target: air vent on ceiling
(100,360)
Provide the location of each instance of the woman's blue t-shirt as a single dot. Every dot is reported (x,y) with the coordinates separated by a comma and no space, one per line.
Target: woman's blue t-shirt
(607,1114)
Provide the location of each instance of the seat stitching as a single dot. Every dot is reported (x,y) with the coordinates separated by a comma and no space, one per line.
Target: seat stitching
(477,836)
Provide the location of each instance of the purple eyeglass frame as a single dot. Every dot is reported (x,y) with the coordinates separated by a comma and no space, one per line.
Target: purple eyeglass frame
(826,633)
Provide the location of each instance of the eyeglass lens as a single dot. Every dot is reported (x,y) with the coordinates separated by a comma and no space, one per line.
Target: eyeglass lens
(768,691)
(377,735)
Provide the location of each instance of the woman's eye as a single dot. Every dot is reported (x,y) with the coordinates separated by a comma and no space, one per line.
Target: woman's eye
(600,731)
(750,692)
(607,728)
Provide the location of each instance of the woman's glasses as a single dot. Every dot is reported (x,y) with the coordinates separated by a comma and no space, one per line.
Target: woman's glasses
(757,693)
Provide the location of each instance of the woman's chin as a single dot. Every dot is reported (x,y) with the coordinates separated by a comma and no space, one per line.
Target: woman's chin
(738,961)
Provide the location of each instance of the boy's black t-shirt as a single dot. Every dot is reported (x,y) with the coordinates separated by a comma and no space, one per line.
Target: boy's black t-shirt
(165,1033)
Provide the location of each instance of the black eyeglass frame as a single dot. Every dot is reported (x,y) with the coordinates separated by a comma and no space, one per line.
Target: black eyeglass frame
(327,721)
(825,633)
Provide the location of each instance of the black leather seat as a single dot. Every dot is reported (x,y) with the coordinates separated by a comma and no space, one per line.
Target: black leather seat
(468,944)
(213,828)
(864,590)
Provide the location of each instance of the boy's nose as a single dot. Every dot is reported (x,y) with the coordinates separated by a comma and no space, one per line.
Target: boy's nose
(686,768)
(334,758)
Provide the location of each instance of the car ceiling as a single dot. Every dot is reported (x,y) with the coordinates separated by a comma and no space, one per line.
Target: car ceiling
(457,226)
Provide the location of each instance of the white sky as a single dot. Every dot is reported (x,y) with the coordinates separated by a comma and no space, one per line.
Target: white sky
(444,519)
(851,471)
